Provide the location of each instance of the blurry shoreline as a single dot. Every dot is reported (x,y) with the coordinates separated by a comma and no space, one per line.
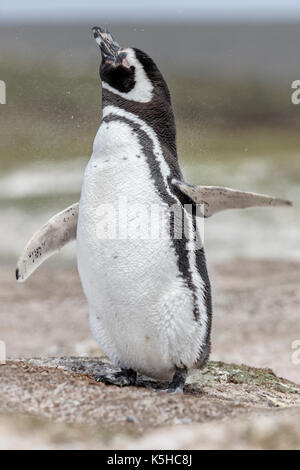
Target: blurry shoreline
(30,195)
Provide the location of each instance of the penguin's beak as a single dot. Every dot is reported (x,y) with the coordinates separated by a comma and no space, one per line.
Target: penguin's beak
(108,45)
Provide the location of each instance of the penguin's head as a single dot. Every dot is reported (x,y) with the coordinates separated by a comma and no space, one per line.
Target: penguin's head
(129,72)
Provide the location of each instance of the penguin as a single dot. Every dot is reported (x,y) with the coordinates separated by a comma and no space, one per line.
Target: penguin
(149,297)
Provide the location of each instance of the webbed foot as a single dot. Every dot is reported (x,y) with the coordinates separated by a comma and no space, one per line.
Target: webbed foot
(121,378)
(178,381)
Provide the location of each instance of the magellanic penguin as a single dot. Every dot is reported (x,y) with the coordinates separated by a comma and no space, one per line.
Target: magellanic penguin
(149,299)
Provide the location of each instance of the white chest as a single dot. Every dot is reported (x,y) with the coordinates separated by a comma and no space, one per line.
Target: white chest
(140,309)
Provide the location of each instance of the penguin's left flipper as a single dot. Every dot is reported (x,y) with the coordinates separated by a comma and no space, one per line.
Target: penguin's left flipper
(56,233)
(213,199)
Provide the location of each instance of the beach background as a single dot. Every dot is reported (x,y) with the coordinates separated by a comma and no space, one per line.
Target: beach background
(230,78)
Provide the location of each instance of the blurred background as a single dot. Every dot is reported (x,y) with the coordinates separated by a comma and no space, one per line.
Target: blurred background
(229,66)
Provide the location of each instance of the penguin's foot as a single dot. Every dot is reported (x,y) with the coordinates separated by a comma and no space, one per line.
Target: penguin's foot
(122,378)
(178,381)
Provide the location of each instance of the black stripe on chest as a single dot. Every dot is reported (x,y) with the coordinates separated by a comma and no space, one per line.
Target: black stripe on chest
(163,190)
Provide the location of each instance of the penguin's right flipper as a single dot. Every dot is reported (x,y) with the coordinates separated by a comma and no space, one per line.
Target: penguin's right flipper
(213,199)
(55,234)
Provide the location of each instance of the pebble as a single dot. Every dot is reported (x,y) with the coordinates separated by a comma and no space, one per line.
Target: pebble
(186,420)
(129,419)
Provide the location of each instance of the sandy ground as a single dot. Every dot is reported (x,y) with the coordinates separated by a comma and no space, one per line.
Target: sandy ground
(56,403)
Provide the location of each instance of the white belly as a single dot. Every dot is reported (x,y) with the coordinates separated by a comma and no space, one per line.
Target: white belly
(141,311)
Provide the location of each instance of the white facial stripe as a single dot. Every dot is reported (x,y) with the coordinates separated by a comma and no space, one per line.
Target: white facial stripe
(143,88)
(165,171)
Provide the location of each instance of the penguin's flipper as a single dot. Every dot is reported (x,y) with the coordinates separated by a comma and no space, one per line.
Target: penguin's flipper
(213,199)
(56,233)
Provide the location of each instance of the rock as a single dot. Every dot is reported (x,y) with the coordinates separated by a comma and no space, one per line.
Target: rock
(129,419)
(63,390)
